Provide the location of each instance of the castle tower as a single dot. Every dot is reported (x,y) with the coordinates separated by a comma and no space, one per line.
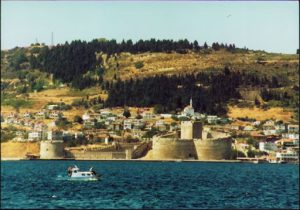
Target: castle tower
(191,130)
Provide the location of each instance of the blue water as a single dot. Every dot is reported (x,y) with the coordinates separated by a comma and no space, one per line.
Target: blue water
(41,184)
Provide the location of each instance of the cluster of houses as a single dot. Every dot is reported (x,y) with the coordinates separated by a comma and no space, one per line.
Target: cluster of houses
(276,138)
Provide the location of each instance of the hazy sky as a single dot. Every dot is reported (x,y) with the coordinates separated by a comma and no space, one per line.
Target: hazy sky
(271,26)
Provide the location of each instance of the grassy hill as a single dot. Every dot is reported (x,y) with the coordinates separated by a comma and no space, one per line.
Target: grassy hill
(30,89)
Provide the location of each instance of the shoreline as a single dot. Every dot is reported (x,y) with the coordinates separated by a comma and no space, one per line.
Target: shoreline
(139,160)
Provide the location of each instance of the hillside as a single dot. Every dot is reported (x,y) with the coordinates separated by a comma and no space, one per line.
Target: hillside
(32,77)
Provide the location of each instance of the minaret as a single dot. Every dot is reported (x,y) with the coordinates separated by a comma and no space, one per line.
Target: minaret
(191,102)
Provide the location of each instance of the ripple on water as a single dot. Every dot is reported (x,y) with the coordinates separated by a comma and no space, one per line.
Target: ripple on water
(150,185)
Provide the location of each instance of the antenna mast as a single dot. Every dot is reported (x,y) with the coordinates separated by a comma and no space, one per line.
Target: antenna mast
(51,38)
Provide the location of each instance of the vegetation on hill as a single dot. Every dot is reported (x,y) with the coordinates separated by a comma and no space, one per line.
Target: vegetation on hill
(160,73)
(210,92)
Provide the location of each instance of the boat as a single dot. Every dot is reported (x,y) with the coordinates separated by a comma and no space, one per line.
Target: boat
(75,174)
(255,161)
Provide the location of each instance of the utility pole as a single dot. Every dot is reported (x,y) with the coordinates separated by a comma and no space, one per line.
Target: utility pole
(51,38)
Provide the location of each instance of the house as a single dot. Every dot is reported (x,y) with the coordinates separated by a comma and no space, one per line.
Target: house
(138,124)
(105,113)
(127,124)
(89,123)
(267,146)
(256,123)
(166,115)
(51,124)
(117,126)
(211,119)
(40,127)
(233,127)
(55,115)
(137,133)
(248,128)
(284,143)
(52,106)
(147,115)
(86,116)
(270,132)
(41,115)
(269,123)
(290,135)
(280,128)
(293,128)
(287,155)
(35,135)
(159,122)
(111,118)
(27,115)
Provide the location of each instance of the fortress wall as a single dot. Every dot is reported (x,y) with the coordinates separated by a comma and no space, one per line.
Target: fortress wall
(95,155)
(170,148)
(217,149)
(19,149)
(51,149)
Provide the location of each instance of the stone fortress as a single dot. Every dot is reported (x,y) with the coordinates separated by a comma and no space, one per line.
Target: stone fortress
(193,142)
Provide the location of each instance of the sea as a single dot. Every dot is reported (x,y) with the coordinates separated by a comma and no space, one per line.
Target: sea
(41,184)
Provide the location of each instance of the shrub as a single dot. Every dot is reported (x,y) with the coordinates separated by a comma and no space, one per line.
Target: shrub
(139,64)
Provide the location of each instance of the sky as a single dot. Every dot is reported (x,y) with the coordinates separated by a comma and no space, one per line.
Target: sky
(270,26)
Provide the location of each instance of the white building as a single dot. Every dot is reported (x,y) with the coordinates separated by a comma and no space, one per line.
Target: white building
(270,132)
(267,146)
(293,128)
(291,135)
(166,115)
(147,115)
(188,110)
(52,106)
(212,118)
(127,124)
(86,116)
(287,155)
(35,135)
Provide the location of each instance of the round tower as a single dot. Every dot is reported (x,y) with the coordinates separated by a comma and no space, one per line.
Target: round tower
(51,149)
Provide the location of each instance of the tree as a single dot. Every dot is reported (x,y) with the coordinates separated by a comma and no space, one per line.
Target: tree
(139,64)
(126,113)
(78,119)
(205,45)
(138,117)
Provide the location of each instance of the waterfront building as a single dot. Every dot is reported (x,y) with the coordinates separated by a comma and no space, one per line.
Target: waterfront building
(287,155)
(267,146)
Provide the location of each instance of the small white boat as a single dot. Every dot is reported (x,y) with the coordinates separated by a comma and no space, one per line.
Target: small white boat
(75,173)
